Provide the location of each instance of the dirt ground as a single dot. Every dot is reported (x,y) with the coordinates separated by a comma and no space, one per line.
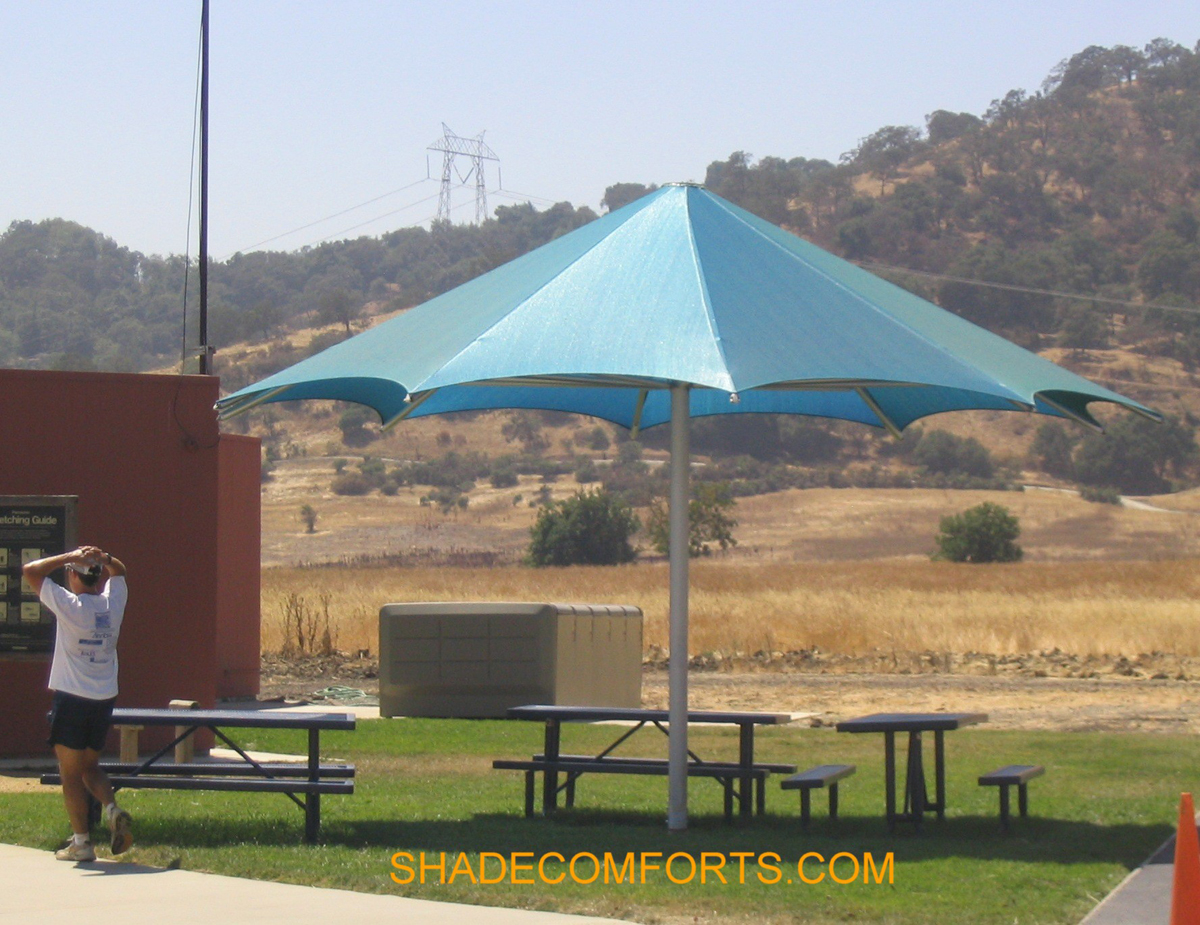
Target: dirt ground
(1052,691)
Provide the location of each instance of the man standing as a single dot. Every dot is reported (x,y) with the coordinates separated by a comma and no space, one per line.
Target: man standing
(83,676)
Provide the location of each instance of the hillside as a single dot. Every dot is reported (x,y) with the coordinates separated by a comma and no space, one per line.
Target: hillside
(1077,206)
(1089,186)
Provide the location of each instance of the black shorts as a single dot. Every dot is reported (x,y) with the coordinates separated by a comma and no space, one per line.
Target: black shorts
(79,723)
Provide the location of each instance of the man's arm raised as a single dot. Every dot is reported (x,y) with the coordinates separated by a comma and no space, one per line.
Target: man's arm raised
(37,571)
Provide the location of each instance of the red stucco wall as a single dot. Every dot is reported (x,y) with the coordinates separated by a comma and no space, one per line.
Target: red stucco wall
(239,533)
(161,489)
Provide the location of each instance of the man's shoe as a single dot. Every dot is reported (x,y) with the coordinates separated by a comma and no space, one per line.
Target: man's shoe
(121,825)
(76,853)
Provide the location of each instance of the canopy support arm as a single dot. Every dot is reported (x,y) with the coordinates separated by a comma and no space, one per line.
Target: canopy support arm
(870,402)
(637,413)
(409,408)
(254,402)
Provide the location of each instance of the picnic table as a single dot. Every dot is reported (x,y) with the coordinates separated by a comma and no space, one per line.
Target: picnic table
(309,780)
(916,795)
(737,778)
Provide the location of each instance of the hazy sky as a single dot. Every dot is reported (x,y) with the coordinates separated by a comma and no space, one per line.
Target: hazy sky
(317,107)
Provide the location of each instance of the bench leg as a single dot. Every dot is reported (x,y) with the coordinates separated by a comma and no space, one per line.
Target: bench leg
(529,776)
(805,807)
(571,790)
(312,817)
(889,771)
(1004,806)
(833,800)
(1023,799)
(760,802)
(727,784)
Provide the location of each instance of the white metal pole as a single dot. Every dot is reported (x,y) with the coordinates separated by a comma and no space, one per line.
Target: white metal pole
(678,666)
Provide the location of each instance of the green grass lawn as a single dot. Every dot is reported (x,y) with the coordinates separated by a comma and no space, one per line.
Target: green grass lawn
(1105,803)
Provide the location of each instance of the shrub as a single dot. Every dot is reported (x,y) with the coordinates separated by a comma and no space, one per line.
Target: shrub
(586,472)
(446,499)
(450,471)
(943,452)
(986,533)
(353,425)
(708,520)
(352,483)
(1101,495)
(598,439)
(1051,450)
(504,475)
(589,528)
(1136,455)
(525,427)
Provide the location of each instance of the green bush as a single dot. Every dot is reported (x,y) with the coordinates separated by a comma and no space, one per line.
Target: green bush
(353,425)
(1136,455)
(589,528)
(1101,495)
(708,520)
(986,533)
(352,483)
(942,452)
(504,476)
(586,471)
(1051,450)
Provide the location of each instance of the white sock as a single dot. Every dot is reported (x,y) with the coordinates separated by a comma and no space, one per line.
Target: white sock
(110,809)
(81,840)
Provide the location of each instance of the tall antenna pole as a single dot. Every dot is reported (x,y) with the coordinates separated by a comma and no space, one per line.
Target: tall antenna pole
(204,349)
(451,145)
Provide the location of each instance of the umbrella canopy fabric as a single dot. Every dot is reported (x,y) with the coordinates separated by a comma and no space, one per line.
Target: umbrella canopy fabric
(676,306)
(682,286)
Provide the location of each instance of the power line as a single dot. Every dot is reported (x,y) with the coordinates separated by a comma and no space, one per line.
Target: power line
(372,221)
(427,219)
(513,194)
(1012,287)
(328,217)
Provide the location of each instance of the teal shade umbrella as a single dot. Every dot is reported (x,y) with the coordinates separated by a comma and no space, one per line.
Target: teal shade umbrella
(681,305)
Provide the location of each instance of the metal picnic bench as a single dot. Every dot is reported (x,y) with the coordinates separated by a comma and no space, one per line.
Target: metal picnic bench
(303,783)
(742,779)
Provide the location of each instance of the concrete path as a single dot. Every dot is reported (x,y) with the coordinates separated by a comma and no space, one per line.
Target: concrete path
(39,889)
(1142,898)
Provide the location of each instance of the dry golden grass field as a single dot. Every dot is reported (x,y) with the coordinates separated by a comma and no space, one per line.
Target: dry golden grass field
(1115,608)
(846,570)
(794,525)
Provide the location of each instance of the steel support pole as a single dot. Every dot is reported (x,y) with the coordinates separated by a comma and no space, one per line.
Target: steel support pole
(203,334)
(678,666)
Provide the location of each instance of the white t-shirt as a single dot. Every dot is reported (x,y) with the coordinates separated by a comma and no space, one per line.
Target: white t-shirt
(85,646)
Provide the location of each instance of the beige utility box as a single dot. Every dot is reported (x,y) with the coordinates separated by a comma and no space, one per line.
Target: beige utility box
(479,659)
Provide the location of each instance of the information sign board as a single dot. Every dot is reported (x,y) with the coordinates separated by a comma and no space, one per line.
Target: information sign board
(31,527)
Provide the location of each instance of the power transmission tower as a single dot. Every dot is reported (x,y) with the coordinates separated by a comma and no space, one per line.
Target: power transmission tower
(451,145)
